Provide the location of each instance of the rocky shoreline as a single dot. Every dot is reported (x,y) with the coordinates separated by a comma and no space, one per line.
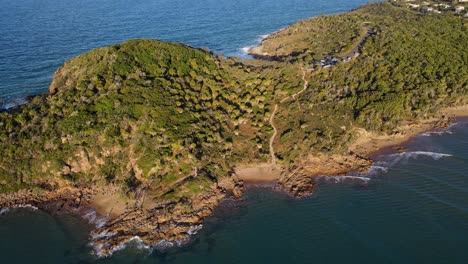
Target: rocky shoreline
(165,224)
(169,223)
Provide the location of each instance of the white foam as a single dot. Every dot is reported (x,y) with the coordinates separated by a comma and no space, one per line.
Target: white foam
(376,169)
(260,38)
(340,179)
(245,50)
(100,222)
(136,241)
(16,102)
(194,229)
(26,206)
(163,245)
(92,218)
(104,234)
(97,250)
(392,159)
(416,154)
(437,133)
(5,210)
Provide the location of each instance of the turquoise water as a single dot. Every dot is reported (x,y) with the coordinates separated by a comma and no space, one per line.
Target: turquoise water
(37,36)
(416,212)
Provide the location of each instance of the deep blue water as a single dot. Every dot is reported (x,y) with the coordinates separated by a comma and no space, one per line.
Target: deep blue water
(37,36)
(416,212)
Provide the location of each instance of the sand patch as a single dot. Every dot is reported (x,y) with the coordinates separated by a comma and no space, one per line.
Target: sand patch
(457,111)
(111,205)
(258,173)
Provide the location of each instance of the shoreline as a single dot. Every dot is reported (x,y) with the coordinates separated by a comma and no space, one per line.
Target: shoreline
(89,203)
(122,215)
(300,181)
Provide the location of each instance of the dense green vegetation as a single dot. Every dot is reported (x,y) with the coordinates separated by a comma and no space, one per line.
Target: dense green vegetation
(141,114)
(409,67)
(172,119)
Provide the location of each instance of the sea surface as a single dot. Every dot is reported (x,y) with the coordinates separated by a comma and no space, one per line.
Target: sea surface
(412,208)
(37,36)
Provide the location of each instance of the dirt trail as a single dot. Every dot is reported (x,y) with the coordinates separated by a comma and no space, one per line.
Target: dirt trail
(272,139)
(306,84)
(272,118)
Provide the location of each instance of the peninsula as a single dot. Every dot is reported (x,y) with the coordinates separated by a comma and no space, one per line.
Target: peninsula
(153,135)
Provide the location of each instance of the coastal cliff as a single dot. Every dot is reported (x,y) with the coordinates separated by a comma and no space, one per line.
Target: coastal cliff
(153,135)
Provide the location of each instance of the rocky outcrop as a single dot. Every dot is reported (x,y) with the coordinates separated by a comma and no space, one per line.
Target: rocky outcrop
(172,221)
(66,195)
(301,179)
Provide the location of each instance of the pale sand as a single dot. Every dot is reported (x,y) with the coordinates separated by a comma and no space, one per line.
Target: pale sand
(257,50)
(258,173)
(111,205)
(457,111)
(370,142)
(365,145)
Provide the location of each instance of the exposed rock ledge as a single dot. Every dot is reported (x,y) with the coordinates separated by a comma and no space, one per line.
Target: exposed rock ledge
(168,221)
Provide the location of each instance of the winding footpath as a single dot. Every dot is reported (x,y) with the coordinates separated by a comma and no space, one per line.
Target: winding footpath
(272,119)
(275,131)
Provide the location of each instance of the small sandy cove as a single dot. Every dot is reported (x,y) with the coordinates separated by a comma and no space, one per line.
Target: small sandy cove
(366,144)
(258,173)
(108,204)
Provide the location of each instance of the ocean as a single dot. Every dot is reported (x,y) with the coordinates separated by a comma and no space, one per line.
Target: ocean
(37,36)
(412,208)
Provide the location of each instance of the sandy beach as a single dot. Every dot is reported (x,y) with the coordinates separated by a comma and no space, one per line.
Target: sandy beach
(370,143)
(366,146)
(258,173)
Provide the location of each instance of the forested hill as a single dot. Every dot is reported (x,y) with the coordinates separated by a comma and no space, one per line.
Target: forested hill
(408,64)
(174,119)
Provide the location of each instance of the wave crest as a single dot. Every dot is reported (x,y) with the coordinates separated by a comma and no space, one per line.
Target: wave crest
(405,156)
(345,179)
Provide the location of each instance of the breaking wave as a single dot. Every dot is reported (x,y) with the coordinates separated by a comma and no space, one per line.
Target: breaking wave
(104,234)
(26,206)
(194,229)
(393,159)
(163,245)
(92,218)
(138,243)
(345,179)
(7,104)
(377,169)
(4,211)
(382,166)
(135,242)
(446,131)
(245,50)
(437,133)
